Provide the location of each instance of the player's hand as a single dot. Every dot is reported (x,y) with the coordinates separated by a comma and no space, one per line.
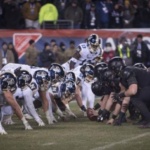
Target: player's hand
(41,123)
(110,121)
(27,126)
(2,130)
(117,97)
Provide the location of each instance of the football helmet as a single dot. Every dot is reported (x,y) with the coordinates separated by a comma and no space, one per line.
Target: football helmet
(93,43)
(99,69)
(23,78)
(116,64)
(56,72)
(108,75)
(87,70)
(68,87)
(42,78)
(140,65)
(7,81)
(70,76)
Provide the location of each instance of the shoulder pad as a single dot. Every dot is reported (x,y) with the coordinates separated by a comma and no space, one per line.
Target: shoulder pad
(127,72)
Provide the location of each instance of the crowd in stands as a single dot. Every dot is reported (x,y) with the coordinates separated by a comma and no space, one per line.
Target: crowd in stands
(137,51)
(85,14)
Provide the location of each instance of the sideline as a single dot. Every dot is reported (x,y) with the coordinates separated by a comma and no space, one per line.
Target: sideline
(120,142)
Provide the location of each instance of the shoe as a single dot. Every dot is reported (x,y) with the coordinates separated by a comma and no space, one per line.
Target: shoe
(100,118)
(117,122)
(140,122)
(145,126)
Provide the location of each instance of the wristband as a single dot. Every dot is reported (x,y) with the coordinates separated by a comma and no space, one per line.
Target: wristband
(121,95)
(83,108)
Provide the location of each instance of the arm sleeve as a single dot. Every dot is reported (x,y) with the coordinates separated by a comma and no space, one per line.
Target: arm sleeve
(132,80)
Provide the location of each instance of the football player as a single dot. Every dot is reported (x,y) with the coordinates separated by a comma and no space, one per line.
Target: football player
(137,85)
(90,51)
(7,86)
(40,82)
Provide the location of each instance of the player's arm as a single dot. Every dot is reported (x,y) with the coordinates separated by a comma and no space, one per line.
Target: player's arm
(132,89)
(75,58)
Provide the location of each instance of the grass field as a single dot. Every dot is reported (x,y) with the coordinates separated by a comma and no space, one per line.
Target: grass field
(79,134)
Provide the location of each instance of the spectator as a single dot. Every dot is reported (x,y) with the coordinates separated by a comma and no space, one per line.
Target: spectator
(117,16)
(91,18)
(58,54)
(15,54)
(70,51)
(108,52)
(62,46)
(31,54)
(6,56)
(47,56)
(136,12)
(86,6)
(123,51)
(140,51)
(1,16)
(48,12)
(43,2)
(31,12)
(74,13)
(103,11)
(145,15)
(61,7)
(127,15)
(52,43)
(12,15)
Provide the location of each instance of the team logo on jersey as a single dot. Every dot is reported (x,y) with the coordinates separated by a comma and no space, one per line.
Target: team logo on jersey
(21,41)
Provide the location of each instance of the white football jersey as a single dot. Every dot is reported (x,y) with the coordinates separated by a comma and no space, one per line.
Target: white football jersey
(13,66)
(31,69)
(86,55)
(78,73)
(55,90)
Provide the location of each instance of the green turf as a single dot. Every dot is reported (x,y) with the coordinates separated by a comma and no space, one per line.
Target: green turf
(79,134)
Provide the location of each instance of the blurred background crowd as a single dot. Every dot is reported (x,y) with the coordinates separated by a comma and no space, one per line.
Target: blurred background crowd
(84,14)
(131,52)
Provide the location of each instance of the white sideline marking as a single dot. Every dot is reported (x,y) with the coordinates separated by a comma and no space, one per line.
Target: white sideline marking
(47,144)
(121,142)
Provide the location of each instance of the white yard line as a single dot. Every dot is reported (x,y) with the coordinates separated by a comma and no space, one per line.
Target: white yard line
(121,142)
(47,144)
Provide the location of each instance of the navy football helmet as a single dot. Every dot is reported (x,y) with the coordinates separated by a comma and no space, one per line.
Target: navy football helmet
(23,78)
(93,43)
(42,78)
(56,72)
(87,70)
(68,87)
(8,81)
(70,76)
